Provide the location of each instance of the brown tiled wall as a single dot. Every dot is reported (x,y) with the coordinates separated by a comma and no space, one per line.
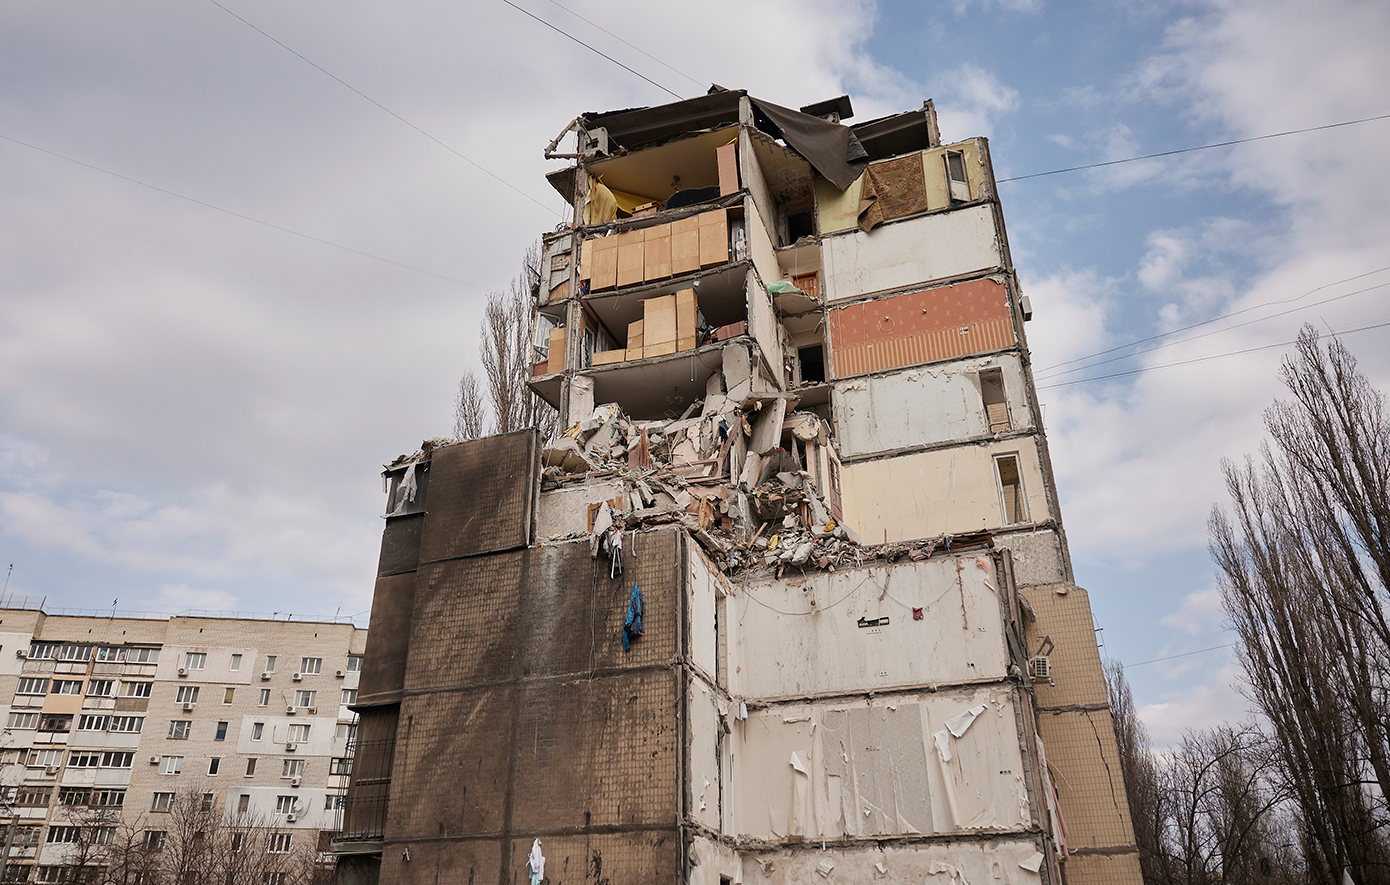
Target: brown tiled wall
(481,497)
(1100,869)
(1085,769)
(1066,618)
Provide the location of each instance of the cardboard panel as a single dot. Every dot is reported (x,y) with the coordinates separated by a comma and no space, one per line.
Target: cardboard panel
(659,325)
(714,238)
(605,264)
(586,258)
(727,158)
(555,359)
(634,340)
(934,324)
(631,249)
(482,496)
(608,357)
(685,245)
(657,255)
(685,319)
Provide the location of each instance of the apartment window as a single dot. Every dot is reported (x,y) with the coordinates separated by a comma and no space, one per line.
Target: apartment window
(32,685)
(154,840)
(347,731)
(44,758)
(354,663)
(206,803)
(87,722)
(179,729)
(340,765)
(227,695)
(103,835)
(257,730)
(186,694)
(67,686)
(131,724)
(117,759)
(74,796)
(1012,499)
(33,796)
(264,699)
(349,696)
(170,764)
(298,734)
(275,878)
(84,759)
(306,698)
(136,689)
(310,666)
(214,765)
(63,835)
(955,175)
(221,733)
(22,720)
(284,805)
(992,395)
(101,688)
(243,805)
(108,798)
(26,835)
(141,656)
(195,660)
(55,722)
(292,768)
(280,842)
(334,802)
(270,663)
(236,663)
(162,802)
(71,652)
(40,651)
(251,767)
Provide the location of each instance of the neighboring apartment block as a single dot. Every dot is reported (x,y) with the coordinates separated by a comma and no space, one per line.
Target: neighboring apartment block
(110,720)
(789,600)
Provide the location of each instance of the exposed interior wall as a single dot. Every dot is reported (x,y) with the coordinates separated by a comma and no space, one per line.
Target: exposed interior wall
(703,795)
(924,405)
(882,766)
(704,587)
(760,247)
(753,180)
(1037,556)
(927,494)
(1006,861)
(812,635)
(711,862)
(766,330)
(840,211)
(565,510)
(911,251)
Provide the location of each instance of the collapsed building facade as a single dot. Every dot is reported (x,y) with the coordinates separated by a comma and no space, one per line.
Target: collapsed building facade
(789,600)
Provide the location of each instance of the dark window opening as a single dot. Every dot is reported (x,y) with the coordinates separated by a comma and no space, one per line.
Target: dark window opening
(800,224)
(812,363)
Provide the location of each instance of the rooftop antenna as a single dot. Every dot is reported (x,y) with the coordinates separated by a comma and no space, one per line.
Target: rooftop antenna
(7,579)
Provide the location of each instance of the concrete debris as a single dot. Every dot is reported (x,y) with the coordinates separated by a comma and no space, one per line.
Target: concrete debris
(751,483)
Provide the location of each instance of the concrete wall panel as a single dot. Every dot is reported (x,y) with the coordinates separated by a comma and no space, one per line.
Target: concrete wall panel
(704,587)
(923,406)
(794,639)
(997,861)
(916,250)
(930,493)
(565,511)
(482,496)
(703,752)
(1038,557)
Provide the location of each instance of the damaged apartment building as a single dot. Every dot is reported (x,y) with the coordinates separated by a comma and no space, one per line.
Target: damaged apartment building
(788,600)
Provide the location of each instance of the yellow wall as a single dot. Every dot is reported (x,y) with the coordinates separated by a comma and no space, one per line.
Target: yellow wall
(840,211)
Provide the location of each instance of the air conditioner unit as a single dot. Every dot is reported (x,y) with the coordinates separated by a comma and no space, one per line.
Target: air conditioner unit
(52,769)
(1040,667)
(21,653)
(313,711)
(339,673)
(297,677)
(188,707)
(290,747)
(183,671)
(289,711)
(265,677)
(154,760)
(291,817)
(294,782)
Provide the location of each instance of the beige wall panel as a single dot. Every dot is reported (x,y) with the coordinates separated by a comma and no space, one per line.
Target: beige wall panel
(923,405)
(703,752)
(930,493)
(837,210)
(1104,869)
(1076,670)
(565,510)
(906,253)
(711,860)
(803,637)
(704,586)
(1085,766)
(997,861)
(872,768)
(763,324)
(760,246)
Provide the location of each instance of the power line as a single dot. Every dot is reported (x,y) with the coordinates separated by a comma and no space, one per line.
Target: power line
(1125,356)
(383,107)
(592,49)
(244,217)
(1188,150)
(1183,655)
(1224,316)
(628,45)
(1201,359)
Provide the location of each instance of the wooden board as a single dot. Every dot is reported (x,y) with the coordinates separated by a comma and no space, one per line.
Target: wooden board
(556,357)
(685,245)
(714,238)
(727,158)
(685,319)
(656,259)
(586,258)
(607,357)
(634,340)
(605,264)
(659,326)
(630,251)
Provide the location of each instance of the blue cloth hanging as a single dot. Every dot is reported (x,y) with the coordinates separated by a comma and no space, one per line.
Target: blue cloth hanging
(632,624)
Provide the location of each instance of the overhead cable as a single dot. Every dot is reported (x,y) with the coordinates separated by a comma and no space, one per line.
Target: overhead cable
(1185,654)
(245,217)
(1188,150)
(627,44)
(383,107)
(565,33)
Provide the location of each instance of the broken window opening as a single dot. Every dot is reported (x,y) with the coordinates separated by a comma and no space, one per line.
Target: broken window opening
(1012,500)
(812,362)
(956,178)
(992,394)
(800,224)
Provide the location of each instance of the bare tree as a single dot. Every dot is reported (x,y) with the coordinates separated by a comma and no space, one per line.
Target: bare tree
(505,349)
(1149,801)
(1304,564)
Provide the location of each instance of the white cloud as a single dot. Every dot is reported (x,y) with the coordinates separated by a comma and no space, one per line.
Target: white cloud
(970,101)
(1199,613)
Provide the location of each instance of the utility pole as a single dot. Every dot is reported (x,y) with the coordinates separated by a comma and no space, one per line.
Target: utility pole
(9,841)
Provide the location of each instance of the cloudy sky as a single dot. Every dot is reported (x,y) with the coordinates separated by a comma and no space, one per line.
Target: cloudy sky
(244,246)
